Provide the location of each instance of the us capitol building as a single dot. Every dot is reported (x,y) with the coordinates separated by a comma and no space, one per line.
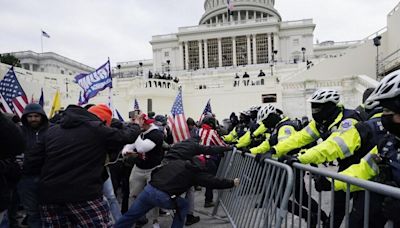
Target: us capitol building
(211,58)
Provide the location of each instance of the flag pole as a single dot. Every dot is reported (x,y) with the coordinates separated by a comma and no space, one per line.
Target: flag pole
(41,39)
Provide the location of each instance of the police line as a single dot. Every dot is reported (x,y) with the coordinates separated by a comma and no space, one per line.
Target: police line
(265,197)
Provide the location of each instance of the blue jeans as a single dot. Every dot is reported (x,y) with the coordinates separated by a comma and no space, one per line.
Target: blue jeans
(108,192)
(28,189)
(149,198)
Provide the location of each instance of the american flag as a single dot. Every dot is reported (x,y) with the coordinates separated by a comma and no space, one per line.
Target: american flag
(177,121)
(207,110)
(230,7)
(210,137)
(13,98)
(136,105)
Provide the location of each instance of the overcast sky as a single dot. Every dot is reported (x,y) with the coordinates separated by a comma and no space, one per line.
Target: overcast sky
(90,31)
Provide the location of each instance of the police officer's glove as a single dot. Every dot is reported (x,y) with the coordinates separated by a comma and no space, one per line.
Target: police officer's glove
(391,208)
(322,184)
(288,159)
(261,157)
(244,151)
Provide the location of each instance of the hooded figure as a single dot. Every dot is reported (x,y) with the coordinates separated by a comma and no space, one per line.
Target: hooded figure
(34,126)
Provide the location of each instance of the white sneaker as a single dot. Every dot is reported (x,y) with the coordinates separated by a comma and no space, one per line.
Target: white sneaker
(156,225)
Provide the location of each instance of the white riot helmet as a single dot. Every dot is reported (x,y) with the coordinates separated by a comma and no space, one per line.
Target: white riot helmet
(371,104)
(264,112)
(254,108)
(388,88)
(322,96)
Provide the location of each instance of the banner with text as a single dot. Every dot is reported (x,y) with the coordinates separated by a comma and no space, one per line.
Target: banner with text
(94,82)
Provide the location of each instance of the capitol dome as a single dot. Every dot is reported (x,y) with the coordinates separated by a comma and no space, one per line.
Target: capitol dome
(216,11)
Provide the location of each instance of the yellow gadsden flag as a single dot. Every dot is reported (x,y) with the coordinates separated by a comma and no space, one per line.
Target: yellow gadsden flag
(56,104)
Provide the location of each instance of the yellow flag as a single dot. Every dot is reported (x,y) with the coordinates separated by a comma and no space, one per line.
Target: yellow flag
(56,104)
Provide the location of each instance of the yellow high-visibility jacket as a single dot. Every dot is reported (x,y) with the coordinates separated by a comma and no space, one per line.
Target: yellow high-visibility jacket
(340,144)
(231,137)
(310,134)
(284,132)
(245,140)
(366,170)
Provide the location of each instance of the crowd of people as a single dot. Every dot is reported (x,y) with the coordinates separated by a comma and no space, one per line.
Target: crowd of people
(82,168)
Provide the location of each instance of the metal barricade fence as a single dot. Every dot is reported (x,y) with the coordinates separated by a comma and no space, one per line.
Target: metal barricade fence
(301,201)
(262,198)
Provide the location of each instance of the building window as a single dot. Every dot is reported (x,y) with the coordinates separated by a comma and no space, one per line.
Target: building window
(268,98)
(251,50)
(226,44)
(184,56)
(193,55)
(295,42)
(212,48)
(62,71)
(241,50)
(149,105)
(262,48)
(166,54)
(202,54)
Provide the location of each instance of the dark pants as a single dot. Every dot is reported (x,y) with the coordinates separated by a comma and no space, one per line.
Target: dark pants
(28,189)
(303,211)
(212,167)
(13,209)
(376,216)
(149,198)
(120,178)
(339,208)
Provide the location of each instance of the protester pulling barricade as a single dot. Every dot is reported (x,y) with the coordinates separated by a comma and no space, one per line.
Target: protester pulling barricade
(167,183)
(81,140)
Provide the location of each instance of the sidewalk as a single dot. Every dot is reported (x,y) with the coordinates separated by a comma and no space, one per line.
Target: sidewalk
(205,221)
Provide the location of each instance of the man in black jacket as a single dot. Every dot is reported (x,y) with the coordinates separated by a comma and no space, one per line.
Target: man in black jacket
(34,127)
(167,183)
(70,161)
(186,150)
(12,143)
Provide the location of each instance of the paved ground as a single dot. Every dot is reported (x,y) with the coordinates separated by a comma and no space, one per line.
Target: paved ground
(206,220)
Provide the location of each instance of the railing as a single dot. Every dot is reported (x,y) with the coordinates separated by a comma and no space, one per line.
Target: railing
(397,7)
(263,197)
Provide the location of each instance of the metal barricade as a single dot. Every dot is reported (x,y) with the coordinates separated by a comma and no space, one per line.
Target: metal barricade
(261,199)
(301,202)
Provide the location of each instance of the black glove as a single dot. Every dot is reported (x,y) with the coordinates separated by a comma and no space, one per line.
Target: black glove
(288,160)
(261,157)
(391,208)
(322,184)
(244,151)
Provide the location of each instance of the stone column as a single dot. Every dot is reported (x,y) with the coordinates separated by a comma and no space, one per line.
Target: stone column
(276,45)
(248,50)
(219,53)
(247,15)
(239,17)
(254,49)
(187,55)
(255,15)
(234,51)
(205,54)
(269,37)
(200,55)
(181,62)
